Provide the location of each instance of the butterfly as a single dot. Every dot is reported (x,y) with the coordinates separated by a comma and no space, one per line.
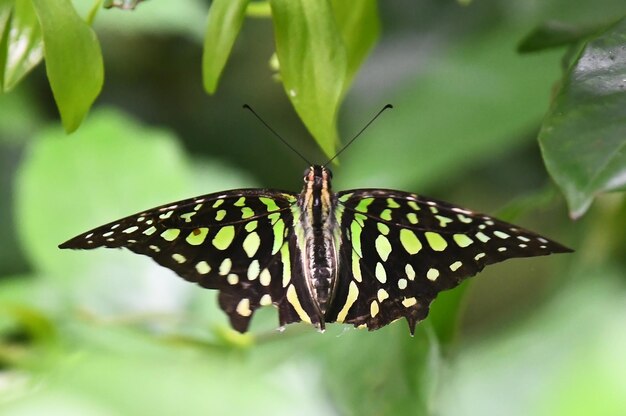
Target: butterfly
(365,257)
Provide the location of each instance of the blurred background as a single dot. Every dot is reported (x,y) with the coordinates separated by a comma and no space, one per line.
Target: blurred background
(110,333)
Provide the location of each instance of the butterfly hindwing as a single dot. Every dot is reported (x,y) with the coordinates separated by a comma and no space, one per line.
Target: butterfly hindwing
(399,250)
(235,241)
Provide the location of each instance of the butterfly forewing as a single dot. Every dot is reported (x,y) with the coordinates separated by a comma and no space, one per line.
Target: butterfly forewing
(236,241)
(400,250)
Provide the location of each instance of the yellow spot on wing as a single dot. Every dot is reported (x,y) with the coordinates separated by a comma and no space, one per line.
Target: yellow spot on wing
(455,266)
(382,228)
(380,273)
(412,217)
(383,247)
(409,241)
(284,256)
(462,240)
(265,278)
(363,204)
(243,307)
(251,244)
(251,226)
(355,232)
(197,236)
(170,234)
(356,268)
(203,267)
(253,270)
(408,302)
(240,202)
(219,216)
(179,258)
(413,205)
(224,237)
(432,274)
(353,294)
(501,234)
(382,295)
(225,267)
(374,309)
(265,300)
(292,298)
(410,272)
(269,203)
(482,237)
(391,203)
(386,215)
(279,229)
(246,212)
(436,241)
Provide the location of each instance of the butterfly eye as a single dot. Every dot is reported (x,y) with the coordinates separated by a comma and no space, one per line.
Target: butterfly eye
(306,174)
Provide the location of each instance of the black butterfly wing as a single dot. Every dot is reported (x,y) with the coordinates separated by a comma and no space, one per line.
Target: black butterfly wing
(235,241)
(399,250)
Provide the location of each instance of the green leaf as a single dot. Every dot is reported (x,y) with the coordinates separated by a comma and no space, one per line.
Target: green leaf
(21,46)
(224,22)
(73,60)
(583,137)
(552,34)
(313,64)
(471,103)
(82,179)
(360,28)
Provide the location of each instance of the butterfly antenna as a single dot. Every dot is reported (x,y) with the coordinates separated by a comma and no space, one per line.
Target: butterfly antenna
(358,134)
(247,107)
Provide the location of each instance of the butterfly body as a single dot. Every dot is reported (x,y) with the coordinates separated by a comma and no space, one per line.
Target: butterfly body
(365,257)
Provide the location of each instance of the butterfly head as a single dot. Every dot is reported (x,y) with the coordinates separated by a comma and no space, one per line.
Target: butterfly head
(318,176)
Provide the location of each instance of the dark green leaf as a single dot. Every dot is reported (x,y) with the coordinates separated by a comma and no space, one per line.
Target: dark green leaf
(583,137)
(224,23)
(313,64)
(73,60)
(21,46)
(360,29)
(553,34)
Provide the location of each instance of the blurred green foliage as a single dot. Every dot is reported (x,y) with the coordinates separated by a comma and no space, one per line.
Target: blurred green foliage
(109,333)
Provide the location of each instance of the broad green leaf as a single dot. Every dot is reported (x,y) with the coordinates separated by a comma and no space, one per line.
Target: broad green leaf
(73,60)
(21,47)
(583,137)
(360,28)
(553,34)
(110,168)
(471,103)
(313,64)
(224,22)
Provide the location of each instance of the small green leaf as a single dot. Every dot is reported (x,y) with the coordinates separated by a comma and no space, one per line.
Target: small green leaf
(553,34)
(224,23)
(73,60)
(20,42)
(313,64)
(583,137)
(360,28)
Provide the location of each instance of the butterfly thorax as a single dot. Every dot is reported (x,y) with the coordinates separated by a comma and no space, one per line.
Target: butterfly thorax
(318,248)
